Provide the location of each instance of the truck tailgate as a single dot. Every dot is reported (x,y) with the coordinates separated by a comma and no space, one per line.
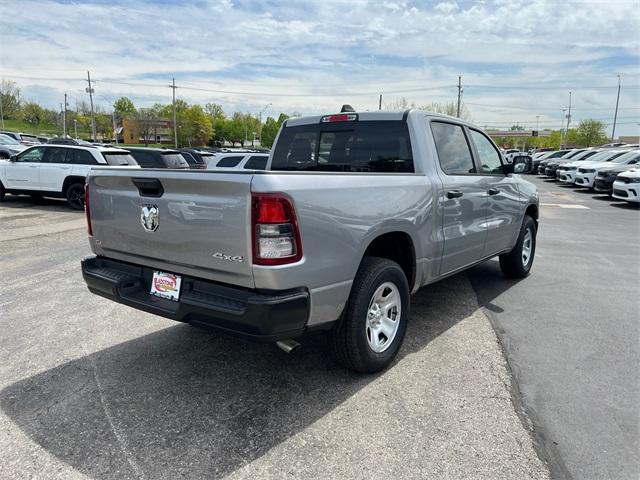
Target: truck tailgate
(202,228)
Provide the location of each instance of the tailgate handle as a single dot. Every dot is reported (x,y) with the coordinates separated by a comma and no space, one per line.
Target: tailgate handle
(148,187)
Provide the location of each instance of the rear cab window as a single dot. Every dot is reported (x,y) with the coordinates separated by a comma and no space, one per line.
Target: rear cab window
(351,146)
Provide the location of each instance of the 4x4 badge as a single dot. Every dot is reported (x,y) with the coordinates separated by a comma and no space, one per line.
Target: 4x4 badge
(149,217)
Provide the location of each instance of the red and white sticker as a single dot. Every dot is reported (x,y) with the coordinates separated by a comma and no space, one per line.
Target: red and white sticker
(166,285)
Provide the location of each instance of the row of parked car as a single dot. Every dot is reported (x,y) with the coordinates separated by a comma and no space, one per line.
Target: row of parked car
(59,167)
(614,170)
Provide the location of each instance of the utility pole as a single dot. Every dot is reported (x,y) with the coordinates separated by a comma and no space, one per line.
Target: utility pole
(380,103)
(615,117)
(569,114)
(90,91)
(175,124)
(1,112)
(64,117)
(459,93)
(562,128)
(115,133)
(75,128)
(261,112)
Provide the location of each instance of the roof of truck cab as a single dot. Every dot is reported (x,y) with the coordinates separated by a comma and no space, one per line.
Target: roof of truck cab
(377,115)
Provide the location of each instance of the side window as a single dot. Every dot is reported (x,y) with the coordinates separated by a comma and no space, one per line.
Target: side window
(229,162)
(33,155)
(55,155)
(257,162)
(82,157)
(145,159)
(488,155)
(453,149)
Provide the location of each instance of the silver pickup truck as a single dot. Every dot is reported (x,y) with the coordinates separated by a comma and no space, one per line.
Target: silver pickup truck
(354,213)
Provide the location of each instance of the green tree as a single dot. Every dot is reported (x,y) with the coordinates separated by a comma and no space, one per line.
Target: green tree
(10,98)
(270,129)
(591,132)
(214,110)
(124,107)
(447,108)
(32,113)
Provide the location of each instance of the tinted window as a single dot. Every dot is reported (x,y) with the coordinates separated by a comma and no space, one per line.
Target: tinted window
(487,154)
(31,155)
(380,146)
(30,138)
(81,157)
(55,155)
(7,140)
(148,159)
(174,160)
(191,160)
(257,162)
(229,161)
(453,149)
(119,158)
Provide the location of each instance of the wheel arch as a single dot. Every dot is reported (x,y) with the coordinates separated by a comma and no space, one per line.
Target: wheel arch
(397,246)
(70,180)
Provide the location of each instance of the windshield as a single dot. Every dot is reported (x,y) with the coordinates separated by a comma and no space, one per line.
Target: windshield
(174,160)
(370,146)
(6,140)
(573,154)
(119,158)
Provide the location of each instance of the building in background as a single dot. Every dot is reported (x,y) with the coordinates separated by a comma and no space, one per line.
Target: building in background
(132,130)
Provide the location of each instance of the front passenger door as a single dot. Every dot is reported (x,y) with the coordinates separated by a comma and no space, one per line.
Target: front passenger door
(24,172)
(503,197)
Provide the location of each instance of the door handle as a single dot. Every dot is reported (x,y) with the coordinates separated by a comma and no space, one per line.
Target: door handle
(454,194)
(493,191)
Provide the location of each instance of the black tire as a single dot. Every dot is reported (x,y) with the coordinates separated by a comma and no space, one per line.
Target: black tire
(513,264)
(2,192)
(4,156)
(75,196)
(349,339)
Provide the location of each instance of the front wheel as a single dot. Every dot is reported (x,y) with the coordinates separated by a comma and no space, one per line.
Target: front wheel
(75,196)
(2,192)
(517,263)
(372,329)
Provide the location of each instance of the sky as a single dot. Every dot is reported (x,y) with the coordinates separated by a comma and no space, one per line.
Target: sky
(518,59)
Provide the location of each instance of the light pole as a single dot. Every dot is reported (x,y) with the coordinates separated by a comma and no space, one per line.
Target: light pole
(562,127)
(261,112)
(615,117)
(75,128)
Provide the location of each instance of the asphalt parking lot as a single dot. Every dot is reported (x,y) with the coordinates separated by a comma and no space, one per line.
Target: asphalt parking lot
(91,389)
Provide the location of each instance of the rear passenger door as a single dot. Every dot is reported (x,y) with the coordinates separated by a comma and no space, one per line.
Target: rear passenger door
(55,168)
(503,198)
(462,200)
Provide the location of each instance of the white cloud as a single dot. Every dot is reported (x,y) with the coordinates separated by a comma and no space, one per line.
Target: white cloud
(328,47)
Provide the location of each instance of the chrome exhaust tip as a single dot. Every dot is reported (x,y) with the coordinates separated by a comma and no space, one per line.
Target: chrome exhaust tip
(288,345)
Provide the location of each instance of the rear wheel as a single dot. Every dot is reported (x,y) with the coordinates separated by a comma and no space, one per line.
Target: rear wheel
(2,192)
(517,263)
(372,329)
(75,196)
(4,155)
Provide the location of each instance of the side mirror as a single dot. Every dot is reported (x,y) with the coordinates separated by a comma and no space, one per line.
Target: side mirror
(13,157)
(522,164)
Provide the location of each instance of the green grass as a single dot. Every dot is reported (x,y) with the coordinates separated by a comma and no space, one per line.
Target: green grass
(41,129)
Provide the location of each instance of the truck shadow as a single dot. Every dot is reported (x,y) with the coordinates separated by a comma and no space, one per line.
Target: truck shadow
(19,202)
(184,402)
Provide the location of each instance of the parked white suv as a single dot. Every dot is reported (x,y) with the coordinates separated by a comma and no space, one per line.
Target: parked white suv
(627,186)
(57,170)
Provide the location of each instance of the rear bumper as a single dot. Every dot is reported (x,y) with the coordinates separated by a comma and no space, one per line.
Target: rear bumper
(263,316)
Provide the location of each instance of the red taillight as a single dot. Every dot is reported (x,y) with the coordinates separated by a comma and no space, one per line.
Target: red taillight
(87,209)
(272,210)
(276,236)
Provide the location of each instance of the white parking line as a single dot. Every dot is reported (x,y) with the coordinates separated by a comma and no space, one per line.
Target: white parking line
(566,205)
